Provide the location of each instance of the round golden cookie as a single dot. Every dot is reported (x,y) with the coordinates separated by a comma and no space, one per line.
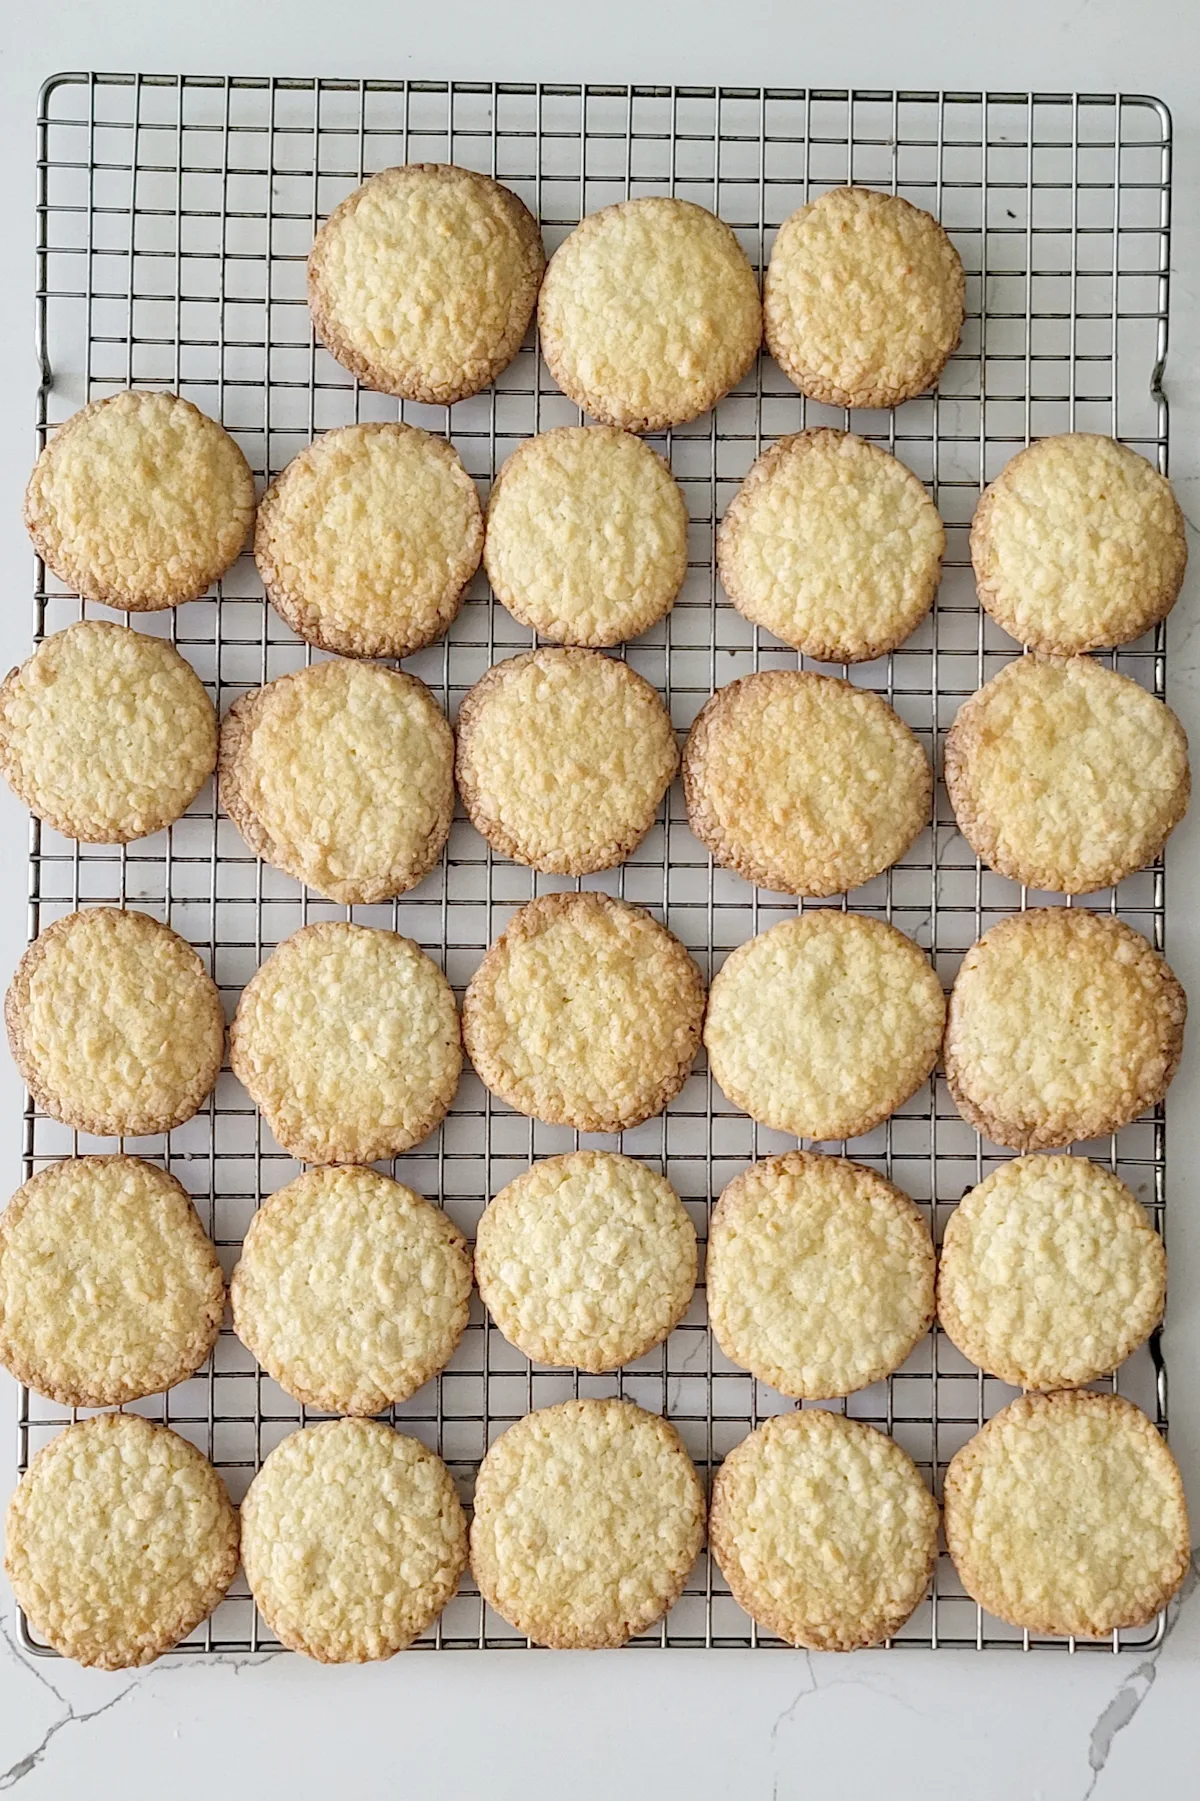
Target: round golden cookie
(119,1540)
(1050,1273)
(649,313)
(353,1538)
(804,783)
(1078,543)
(587,1260)
(1066,1514)
(824,1025)
(140,501)
(563,757)
(347,1038)
(585,1012)
(824,1530)
(819,1275)
(1065,775)
(115,1024)
(351,1290)
(588,1519)
(1062,1025)
(423,281)
(863,299)
(368,539)
(341,775)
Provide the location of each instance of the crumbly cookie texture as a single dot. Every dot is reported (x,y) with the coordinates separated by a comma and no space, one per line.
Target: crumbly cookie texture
(587,1260)
(1062,1025)
(348,1040)
(1078,543)
(115,1024)
(119,1540)
(341,775)
(588,1518)
(804,783)
(586,535)
(1066,1514)
(351,1290)
(368,539)
(833,545)
(824,1025)
(585,1012)
(824,1530)
(563,757)
(354,1539)
(649,313)
(1065,775)
(1050,1273)
(140,501)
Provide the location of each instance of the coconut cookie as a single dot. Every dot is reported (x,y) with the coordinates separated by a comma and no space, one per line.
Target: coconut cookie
(367,541)
(649,313)
(341,775)
(140,501)
(1065,775)
(423,281)
(1078,543)
(563,757)
(803,783)
(824,1530)
(585,1012)
(588,1518)
(1066,1514)
(1062,1025)
(354,1539)
(824,1025)
(833,545)
(863,299)
(348,1040)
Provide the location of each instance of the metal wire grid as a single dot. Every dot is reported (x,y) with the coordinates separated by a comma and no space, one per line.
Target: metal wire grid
(174,216)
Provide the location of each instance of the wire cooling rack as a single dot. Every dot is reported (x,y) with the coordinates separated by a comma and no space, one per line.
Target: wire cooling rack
(174,217)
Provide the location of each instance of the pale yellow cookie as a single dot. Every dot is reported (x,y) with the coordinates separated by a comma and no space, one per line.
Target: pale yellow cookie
(141,501)
(588,1518)
(824,1530)
(649,313)
(824,1025)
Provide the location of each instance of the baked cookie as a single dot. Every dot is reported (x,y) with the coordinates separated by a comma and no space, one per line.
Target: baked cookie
(819,1275)
(863,299)
(563,757)
(587,1260)
(341,775)
(1062,1025)
(1065,775)
(804,783)
(423,281)
(1050,1273)
(348,1040)
(353,1538)
(1078,543)
(115,1024)
(832,545)
(585,1012)
(649,313)
(140,501)
(588,1518)
(119,1540)
(351,1291)
(368,539)
(1066,1514)
(824,1530)
(587,535)
(824,1025)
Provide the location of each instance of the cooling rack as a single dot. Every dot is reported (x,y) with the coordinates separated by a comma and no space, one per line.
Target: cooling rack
(174,215)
